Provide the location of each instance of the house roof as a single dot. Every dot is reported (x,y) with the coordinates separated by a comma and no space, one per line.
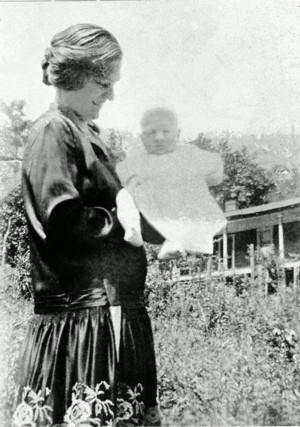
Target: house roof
(266,208)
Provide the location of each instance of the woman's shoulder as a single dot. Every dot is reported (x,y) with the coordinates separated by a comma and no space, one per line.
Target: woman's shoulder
(50,130)
(52,120)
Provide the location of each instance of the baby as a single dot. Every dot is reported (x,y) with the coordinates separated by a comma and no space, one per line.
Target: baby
(170,183)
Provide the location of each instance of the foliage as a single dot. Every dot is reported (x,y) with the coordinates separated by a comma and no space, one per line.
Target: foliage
(15,249)
(14,131)
(226,357)
(284,149)
(287,182)
(116,145)
(15,313)
(245,181)
(13,228)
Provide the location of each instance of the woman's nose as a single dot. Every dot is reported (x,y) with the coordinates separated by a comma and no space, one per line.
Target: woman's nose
(110,94)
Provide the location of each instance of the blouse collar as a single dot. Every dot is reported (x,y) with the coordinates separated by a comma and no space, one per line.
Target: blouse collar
(88,127)
(68,112)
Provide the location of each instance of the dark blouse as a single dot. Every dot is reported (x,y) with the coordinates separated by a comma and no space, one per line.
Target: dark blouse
(69,189)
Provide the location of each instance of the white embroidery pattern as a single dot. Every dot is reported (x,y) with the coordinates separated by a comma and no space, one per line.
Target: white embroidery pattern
(89,408)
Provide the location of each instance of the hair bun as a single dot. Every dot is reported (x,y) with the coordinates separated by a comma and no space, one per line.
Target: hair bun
(45,65)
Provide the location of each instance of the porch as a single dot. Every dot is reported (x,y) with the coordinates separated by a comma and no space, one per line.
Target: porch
(260,232)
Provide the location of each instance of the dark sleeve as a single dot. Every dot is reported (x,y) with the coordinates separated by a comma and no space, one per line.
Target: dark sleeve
(72,223)
(54,178)
(149,234)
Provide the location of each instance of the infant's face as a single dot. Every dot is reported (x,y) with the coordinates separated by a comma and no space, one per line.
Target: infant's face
(159,134)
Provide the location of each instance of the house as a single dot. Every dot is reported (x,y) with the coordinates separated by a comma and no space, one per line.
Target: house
(271,227)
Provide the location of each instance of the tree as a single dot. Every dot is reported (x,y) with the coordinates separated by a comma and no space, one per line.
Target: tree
(287,182)
(245,181)
(13,133)
(115,145)
(13,227)
(14,130)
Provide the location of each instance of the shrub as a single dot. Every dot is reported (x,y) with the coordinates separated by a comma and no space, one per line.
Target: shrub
(225,357)
(15,241)
(15,312)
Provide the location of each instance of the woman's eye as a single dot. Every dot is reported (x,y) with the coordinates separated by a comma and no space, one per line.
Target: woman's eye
(103,85)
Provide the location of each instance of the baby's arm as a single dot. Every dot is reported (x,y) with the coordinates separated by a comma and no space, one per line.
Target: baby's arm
(198,163)
(127,211)
(129,217)
(215,170)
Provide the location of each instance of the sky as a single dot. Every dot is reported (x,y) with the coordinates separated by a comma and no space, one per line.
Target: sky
(223,65)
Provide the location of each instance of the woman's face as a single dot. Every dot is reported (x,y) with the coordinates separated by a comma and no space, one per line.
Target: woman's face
(88,100)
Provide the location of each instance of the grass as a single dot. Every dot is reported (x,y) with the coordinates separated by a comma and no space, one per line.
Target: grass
(15,311)
(224,357)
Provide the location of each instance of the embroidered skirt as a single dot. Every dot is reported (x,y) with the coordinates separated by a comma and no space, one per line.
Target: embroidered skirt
(69,373)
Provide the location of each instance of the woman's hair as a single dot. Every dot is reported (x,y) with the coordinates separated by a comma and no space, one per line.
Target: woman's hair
(78,53)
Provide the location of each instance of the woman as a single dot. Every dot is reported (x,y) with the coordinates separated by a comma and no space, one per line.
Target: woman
(81,263)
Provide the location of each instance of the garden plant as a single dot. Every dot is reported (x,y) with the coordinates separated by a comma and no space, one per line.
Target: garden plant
(227,353)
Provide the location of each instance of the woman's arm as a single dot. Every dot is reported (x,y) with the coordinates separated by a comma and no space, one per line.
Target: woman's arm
(55,178)
(72,223)
(215,173)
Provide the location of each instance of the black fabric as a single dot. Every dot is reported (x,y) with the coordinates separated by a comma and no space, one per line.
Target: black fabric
(62,349)
(67,177)
(149,234)
(70,302)
(137,355)
(76,349)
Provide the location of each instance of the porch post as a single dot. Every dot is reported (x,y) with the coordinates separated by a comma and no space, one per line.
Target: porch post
(233,253)
(280,237)
(219,254)
(258,241)
(225,250)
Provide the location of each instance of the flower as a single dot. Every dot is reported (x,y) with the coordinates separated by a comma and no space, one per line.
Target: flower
(125,410)
(79,411)
(23,416)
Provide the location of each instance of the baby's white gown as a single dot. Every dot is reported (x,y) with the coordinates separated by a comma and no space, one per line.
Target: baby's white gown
(171,191)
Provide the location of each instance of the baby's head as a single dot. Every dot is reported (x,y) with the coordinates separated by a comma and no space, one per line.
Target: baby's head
(159,130)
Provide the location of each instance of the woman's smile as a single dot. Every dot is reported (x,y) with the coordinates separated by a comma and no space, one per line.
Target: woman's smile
(98,104)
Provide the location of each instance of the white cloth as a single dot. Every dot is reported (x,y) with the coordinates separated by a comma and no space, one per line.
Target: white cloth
(171,190)
(129,218)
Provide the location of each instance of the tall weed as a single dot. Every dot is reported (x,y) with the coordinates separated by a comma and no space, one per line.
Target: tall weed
(15,312)
(225,357)
(227,354)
